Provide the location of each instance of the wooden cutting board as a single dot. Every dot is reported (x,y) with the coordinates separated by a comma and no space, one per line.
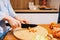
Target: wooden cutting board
(25,34)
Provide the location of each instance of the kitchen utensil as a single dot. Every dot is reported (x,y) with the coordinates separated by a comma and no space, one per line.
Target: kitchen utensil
(24,33)
(25,25)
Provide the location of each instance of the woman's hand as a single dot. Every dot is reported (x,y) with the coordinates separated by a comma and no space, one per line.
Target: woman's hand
(13,22)
(23,21)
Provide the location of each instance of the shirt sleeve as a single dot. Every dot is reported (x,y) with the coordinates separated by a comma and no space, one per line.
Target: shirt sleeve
(2,12)
(11,11)
(2,15)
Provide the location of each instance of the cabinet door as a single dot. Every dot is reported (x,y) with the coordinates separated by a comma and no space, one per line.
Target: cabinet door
(14,4)
(20,4)
(39,18)
(37,2)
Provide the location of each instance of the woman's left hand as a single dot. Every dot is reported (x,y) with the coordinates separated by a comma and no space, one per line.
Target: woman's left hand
(23,21)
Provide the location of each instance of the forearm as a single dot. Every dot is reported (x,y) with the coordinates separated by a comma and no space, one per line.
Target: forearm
(17,18)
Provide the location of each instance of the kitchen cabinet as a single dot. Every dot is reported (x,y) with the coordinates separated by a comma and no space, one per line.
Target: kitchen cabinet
(32,15)
(20,4)
(39,18)
(23,5)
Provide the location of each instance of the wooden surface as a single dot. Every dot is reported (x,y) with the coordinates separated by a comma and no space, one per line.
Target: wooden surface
(20,4)
(10,36)
(23,6)
(31,33)
(43,11)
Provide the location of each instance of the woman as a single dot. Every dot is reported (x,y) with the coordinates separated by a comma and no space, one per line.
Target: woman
(7,14)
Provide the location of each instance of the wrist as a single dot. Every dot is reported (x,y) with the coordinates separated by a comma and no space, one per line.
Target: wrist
(8,18)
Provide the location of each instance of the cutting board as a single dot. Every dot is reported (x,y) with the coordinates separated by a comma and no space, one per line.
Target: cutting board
(25,34)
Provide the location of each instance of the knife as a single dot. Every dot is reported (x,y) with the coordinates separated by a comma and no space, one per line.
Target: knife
(25,25)
(28,25)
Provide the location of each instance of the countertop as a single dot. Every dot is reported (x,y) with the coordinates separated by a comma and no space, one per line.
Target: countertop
(10,35)
(40,11)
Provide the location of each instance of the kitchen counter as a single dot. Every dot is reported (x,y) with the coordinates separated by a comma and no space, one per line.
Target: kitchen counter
(33,11)
(10,36)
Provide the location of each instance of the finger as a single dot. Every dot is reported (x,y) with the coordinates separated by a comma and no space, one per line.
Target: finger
(23,22)
(15,25)
(19,24)
(12,26)
(26,22)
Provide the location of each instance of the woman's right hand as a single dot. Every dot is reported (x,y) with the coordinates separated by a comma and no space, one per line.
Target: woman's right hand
(13,22)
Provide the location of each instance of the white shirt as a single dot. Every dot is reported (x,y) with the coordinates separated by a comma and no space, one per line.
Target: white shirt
(5,9)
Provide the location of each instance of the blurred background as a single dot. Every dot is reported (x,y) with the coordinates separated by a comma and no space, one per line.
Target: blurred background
(48,14)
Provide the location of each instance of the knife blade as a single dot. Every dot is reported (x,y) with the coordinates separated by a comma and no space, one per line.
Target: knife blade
(28,25)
